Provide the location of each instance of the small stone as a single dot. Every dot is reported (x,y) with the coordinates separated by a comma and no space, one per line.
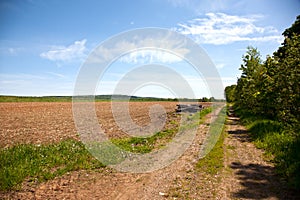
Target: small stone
(56,188)
(163,194)
(42,187)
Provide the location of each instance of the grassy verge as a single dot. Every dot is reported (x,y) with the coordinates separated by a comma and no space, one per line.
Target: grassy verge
(280,142)
(42,162)
(159,139)
(213,162)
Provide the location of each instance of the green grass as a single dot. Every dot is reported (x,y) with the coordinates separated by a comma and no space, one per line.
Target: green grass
(144,145)
(231,147)
(159,139)
(35,99)
(43,162)
(213,162)
(282,146)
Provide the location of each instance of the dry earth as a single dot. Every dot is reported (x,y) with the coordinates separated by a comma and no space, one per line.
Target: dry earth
(247,175)
(38,123)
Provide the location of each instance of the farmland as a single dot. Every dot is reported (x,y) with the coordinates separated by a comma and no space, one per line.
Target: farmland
(45,122)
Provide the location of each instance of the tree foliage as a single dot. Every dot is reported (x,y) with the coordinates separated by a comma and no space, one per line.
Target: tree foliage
(248,92)
(271,88)
(230,93)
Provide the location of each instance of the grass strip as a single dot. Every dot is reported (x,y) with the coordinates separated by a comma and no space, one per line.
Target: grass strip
(44,162)
(159,139)
(213,162)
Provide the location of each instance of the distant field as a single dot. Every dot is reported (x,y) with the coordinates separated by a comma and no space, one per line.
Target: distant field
(35,99)
(46,122)
(100,98)
(69,98)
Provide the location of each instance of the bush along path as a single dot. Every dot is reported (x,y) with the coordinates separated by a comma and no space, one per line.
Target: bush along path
(247,174)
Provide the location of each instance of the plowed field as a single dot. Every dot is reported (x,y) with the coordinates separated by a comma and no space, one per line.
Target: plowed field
(47,122)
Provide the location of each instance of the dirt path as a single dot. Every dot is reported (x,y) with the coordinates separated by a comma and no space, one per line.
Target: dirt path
(246,174)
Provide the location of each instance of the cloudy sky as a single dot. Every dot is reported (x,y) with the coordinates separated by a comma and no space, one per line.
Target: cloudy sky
(44,44)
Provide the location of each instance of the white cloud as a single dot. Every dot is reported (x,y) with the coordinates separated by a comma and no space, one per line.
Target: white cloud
(142,49)
(220,28)
(69,53)
(150,56)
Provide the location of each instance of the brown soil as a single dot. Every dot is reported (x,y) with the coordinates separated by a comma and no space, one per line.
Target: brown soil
(35,122)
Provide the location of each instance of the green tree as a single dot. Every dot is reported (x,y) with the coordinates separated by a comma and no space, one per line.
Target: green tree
(205,99)
(287,80)
(285,72)
(267,90)
(247,92)
(230,93)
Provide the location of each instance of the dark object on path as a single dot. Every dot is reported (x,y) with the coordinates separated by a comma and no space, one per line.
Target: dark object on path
(192,108)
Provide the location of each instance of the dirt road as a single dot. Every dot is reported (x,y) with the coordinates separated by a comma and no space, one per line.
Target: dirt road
(247,175)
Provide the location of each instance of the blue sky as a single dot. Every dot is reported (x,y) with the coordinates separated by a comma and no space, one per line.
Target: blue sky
(43,44)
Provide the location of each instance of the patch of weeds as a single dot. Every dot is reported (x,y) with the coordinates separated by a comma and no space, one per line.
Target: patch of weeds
(231,147)
(42,162)
(144,145)
(106,152)
(173,122)
(159,139)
